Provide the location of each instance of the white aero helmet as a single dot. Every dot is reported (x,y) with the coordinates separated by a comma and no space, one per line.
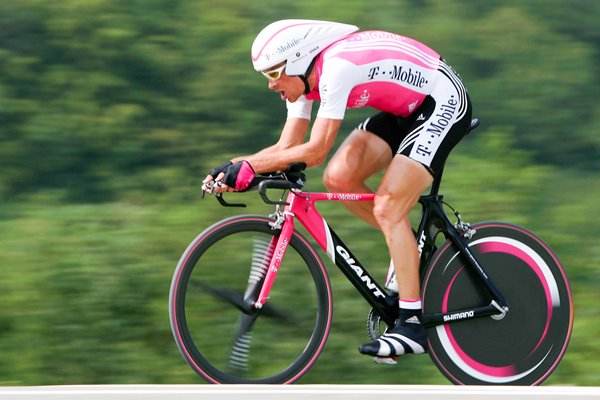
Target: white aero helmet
(296,41)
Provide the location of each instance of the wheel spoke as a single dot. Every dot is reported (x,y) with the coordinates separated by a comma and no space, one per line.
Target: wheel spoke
(240,350)
(262,252)
(236,299)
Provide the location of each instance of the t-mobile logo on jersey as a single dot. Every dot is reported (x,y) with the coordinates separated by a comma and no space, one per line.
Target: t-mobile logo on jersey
(399,73)
(412,78)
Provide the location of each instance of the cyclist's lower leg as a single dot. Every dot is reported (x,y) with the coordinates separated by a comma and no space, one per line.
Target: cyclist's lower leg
(400,189)
(408,335)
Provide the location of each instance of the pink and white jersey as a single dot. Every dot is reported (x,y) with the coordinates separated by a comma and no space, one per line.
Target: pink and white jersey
(383,70)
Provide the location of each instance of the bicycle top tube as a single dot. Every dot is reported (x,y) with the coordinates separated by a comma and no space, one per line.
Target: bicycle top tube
(326,196)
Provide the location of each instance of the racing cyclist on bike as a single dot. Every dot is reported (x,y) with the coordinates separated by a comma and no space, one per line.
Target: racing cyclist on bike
(424,111)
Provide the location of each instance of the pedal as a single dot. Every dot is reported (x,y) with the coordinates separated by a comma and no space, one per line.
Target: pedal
(392,360)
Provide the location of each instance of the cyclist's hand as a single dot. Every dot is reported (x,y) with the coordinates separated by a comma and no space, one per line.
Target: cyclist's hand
(212,181)
(231,177)
(238,177)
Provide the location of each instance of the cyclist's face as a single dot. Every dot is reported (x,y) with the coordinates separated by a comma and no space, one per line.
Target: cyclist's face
(289,87)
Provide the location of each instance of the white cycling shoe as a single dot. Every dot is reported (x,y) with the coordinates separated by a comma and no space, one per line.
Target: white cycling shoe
(407,338)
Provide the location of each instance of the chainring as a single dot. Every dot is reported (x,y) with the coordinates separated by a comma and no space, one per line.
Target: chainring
(375,325)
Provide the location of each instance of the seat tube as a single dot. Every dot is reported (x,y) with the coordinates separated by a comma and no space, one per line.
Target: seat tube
(283,242)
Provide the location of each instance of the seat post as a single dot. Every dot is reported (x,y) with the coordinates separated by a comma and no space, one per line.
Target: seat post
(435,185)
(437,180)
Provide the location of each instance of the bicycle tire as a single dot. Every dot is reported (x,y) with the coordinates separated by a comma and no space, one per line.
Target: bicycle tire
(525,346)
(288,333)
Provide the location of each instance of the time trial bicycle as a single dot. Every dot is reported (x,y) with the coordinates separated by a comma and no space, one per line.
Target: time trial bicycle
(251,300)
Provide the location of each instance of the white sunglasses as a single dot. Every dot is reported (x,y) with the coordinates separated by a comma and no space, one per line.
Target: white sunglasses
(274,74)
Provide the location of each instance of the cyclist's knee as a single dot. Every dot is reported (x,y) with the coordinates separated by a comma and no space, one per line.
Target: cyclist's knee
(329,179)
(390,210)
(337,179)
(382,212)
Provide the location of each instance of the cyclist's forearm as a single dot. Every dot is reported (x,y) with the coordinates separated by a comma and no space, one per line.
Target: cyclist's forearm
(290,148)
(265,160)
(276,158)
(261,153)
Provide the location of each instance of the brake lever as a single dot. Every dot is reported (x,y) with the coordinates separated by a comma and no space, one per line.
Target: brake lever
(209,187)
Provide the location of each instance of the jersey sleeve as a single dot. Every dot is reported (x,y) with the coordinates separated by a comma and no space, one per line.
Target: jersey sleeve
(301,108)
(338,78)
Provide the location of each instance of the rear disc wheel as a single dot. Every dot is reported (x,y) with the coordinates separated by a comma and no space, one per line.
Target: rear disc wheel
(522,347)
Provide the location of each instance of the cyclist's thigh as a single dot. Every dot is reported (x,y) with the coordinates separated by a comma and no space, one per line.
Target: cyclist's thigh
(403,183)
(361,155)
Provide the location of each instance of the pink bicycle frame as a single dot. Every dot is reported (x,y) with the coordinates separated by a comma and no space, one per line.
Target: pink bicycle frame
(302,206)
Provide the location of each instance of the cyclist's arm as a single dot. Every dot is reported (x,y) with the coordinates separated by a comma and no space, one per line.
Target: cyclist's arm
(293,134)
(291,147)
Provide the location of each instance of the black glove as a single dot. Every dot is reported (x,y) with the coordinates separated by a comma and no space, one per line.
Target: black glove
(221,168)
(239,175)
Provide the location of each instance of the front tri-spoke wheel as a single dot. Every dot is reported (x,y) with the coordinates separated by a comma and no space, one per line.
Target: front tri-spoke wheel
(219,333)
(521,347)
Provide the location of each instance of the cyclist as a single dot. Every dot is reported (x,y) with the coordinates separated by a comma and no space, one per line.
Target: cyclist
(424,111)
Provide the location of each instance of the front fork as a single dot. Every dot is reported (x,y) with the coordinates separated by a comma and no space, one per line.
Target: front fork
(285,221)
(266,260)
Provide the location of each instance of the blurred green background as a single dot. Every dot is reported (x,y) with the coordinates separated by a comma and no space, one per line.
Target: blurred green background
(112,111)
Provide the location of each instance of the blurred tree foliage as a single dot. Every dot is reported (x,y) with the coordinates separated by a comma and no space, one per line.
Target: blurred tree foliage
(111,111)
